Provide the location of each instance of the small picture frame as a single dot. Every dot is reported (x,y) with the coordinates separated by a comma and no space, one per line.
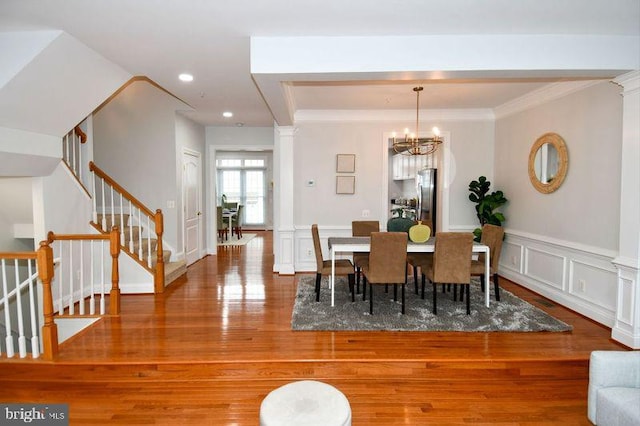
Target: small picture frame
(345,184)
(346,163)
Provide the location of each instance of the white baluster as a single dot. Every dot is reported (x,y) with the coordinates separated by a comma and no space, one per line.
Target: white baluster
(130,228)
(140,235)
(121,220)
(94,198)
(104,209)
(71,299)
(113,213)
(75,159)
(66,145)
(81,297)
(7,317)
(79,158)
(22,341)
(148,243)
(60,281)
(35,341)
(102,309)
(92,297)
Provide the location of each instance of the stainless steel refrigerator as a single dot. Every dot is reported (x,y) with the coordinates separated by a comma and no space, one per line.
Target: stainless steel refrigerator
(426,186)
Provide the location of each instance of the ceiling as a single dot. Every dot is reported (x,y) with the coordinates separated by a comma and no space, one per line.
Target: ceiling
(210,39)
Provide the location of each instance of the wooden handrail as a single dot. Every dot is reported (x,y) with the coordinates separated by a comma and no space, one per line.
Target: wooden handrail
(18,255)
(117,187)
(79,133)
(51,237)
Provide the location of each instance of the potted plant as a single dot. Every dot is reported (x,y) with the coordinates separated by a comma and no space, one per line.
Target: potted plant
(486,204)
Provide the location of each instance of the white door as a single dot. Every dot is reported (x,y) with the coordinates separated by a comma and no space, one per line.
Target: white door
(191,205)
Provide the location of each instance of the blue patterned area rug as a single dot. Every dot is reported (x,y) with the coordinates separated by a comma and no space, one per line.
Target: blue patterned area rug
(510,314)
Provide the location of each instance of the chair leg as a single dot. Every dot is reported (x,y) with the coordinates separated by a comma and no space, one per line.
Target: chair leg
(468,298)
(364,288)
(496,287)
(318,279)
(455,292)
(370,299)
(435,308)
(402,299)
(482,282)
(424,280)
(415,277)
(358,279)
(395,292)
(352,286)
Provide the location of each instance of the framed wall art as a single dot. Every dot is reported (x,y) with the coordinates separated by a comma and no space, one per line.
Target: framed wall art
(346,163)
(345,184)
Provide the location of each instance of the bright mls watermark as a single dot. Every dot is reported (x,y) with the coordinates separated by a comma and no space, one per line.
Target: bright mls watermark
(34,414)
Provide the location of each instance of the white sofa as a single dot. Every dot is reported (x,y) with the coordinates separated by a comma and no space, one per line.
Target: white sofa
(614,388)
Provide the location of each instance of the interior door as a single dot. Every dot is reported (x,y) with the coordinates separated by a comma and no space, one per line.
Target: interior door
(191,203)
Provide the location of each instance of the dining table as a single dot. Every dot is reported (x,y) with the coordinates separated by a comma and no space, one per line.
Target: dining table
(363,244)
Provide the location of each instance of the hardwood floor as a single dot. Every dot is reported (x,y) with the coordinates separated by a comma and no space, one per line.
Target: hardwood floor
(209,349)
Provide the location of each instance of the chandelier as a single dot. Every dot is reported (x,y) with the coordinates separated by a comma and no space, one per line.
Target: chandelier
(413,144)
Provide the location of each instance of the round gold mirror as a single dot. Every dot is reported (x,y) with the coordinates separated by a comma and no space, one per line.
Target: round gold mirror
(548,163)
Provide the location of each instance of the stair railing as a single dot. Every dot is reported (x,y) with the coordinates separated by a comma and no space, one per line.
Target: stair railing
(141,229)
(20,301)
(72,152)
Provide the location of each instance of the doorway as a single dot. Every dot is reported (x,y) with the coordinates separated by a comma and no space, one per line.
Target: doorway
(191,190)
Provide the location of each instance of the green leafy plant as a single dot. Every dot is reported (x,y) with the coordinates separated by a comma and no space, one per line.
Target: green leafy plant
(486,204)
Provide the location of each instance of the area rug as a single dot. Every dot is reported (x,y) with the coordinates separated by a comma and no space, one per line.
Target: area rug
(510,314)
(233,241)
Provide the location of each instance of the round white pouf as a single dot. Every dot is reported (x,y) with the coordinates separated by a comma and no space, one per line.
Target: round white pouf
(305,403)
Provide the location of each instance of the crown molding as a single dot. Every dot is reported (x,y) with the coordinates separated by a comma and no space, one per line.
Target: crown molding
(343,115)
(542,95)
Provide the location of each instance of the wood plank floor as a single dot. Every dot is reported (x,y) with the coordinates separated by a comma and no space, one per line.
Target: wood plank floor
(209,349)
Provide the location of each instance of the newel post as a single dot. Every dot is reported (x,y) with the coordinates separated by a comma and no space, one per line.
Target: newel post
(159,273)
(114,249)
(49,329)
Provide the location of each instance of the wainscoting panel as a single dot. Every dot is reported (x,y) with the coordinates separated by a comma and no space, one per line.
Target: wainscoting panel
(545,267)
(581,278)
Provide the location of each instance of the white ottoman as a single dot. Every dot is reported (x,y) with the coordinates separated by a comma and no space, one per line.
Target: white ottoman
(305,403)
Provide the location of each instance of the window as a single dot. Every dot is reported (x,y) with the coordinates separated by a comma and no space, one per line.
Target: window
(243,181)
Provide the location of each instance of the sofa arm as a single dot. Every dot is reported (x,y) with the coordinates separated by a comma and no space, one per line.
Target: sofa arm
(611,369)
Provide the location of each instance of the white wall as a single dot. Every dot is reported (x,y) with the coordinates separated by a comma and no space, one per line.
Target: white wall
(135,143)
(561,244)
(469,147)
(16,208)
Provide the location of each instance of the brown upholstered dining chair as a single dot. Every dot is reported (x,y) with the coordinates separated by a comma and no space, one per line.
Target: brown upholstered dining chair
(362,228)
(387,263)
(492,236)
(343,266)
(451,263)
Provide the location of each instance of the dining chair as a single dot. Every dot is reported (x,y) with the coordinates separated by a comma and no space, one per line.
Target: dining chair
(492,237)
(236,222)
(387,264)
(362,228)
(343,266)
(223,229)
(230,205)
(451,264)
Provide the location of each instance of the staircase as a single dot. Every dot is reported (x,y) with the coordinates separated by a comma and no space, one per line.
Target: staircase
(136,244)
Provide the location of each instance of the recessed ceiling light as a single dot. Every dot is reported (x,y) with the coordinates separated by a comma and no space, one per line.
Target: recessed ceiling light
(185,77)
(227,114)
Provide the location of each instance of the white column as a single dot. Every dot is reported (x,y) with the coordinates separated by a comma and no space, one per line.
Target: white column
(627,323)
(283,224)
